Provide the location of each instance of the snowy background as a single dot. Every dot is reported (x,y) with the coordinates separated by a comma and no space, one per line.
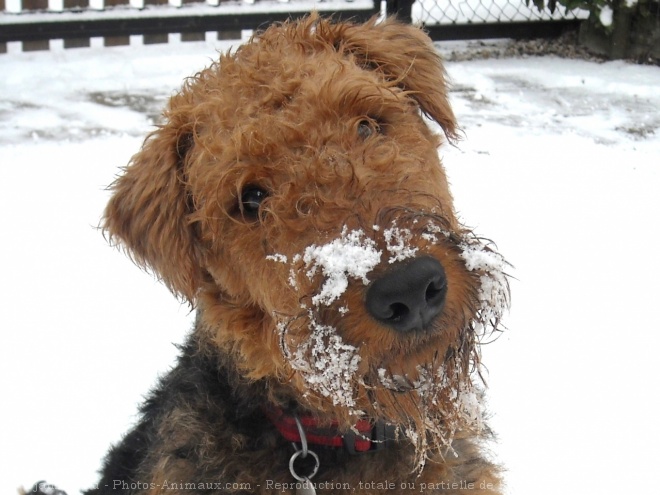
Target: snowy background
(560,165)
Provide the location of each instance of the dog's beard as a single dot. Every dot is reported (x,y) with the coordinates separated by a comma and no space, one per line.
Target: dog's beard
(429,404)
(327,366)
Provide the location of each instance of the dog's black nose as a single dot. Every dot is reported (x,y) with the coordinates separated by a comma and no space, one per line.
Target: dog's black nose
(409,296)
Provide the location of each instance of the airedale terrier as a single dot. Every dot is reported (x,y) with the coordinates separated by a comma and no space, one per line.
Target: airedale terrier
(294,196)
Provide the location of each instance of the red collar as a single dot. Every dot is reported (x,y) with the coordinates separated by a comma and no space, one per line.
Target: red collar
(364,437)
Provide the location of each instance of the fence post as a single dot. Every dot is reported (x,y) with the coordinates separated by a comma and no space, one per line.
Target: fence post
(621,33)
(613,43)
(401,8)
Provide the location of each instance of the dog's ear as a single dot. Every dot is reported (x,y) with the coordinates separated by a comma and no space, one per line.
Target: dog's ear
(406,56)
(148,211)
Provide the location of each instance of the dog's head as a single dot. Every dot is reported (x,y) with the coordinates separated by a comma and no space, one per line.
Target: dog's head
(295,194)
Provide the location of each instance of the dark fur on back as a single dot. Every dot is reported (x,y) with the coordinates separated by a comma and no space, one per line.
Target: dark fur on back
(230,446)
(200,390)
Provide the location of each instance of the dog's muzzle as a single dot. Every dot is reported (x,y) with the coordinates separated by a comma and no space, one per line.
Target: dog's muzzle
(409,296)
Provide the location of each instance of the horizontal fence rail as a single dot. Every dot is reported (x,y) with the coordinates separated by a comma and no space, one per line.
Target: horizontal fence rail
(152,19)
(35,24)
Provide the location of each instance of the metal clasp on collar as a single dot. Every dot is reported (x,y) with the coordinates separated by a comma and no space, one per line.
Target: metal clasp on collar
(306,487)
(381,434)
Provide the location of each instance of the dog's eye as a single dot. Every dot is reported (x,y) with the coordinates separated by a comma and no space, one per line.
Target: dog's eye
(251,199)
(367,127)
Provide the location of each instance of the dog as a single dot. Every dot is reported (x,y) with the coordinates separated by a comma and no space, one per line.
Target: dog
(295,198)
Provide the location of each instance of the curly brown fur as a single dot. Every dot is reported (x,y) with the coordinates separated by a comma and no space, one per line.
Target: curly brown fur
(307,139)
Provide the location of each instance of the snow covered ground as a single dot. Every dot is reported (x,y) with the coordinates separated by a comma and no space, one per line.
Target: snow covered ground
(560,165)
